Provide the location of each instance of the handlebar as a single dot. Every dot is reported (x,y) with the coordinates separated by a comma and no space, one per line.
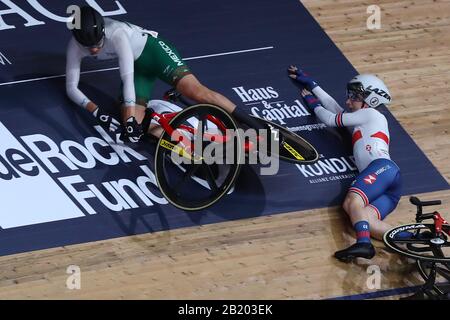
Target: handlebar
(415,201)
(419,204)
(424,216)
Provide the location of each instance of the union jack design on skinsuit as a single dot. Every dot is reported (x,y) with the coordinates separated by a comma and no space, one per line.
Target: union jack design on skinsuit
(370,179)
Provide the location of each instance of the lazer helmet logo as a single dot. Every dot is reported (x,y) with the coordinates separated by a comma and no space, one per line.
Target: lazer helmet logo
(380,92)
(370,179)
(374,101)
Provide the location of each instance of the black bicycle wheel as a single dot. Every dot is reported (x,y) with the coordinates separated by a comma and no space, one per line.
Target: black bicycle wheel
(420,246)
(195,181)
(291,147)
(441,287)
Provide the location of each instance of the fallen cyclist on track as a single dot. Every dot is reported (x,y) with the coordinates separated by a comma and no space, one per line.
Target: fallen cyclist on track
(143,57)
(376,191)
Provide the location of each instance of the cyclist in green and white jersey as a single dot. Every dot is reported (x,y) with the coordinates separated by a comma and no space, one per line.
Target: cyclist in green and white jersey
(143,57)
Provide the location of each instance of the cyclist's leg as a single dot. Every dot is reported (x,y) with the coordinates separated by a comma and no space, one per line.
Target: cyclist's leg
(378,210)
(161,107)
(165,62)
(192,88)
(369,185)
(374,181)
(143,85)
(174,71)
(385,205)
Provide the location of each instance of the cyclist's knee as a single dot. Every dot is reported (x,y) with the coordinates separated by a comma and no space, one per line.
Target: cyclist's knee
(193,89)
(352,203)
(346,204)
(188,86)
(201,94)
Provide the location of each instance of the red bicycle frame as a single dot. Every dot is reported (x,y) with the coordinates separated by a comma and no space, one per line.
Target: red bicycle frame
(164,119)
(438,222)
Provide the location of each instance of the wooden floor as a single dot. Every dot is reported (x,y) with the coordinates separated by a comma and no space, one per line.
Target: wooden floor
(286,256)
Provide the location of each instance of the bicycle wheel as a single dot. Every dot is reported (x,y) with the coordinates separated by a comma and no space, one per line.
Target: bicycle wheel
(441,289)
(194,168)
(419,247)
(292,147)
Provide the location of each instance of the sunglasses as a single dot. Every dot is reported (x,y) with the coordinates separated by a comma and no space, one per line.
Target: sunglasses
(354,96)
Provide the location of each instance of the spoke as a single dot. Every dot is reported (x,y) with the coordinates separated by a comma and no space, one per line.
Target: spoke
(201,129)
(210,178)
(187,174)
(437,252)
(443,272)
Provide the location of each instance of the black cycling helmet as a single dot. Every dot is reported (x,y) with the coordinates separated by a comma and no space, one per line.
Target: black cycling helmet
(92,27)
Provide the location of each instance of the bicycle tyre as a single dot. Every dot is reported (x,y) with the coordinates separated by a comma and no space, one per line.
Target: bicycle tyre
(444,272)
(293,148)
(392,243)
(162,166)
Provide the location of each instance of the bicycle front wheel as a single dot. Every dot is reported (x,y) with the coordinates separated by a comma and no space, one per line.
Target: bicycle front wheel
(197,164)
(441,288)
(291,147)
(421,246)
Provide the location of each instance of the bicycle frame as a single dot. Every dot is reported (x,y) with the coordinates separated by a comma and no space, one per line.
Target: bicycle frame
(438,223)
(164,119)
(438,220)
(428,252)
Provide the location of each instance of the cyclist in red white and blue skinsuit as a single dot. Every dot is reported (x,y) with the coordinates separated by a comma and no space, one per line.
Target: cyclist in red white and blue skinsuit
(376,190)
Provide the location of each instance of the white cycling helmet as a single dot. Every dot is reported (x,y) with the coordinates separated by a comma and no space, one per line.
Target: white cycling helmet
(372,89)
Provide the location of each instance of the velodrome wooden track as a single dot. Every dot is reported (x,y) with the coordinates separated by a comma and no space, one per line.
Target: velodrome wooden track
(287,255)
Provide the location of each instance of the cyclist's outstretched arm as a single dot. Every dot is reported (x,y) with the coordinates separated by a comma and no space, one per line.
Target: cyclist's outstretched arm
(340,119)
(73,62)
(328,101)
(126,66)
(307,82)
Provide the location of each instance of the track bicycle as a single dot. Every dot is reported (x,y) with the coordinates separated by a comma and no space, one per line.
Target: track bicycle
(190,180)
(429,246)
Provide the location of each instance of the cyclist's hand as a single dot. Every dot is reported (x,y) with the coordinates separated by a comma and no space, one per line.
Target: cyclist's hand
(106,121)
(133,130)
(301,77)
(311,101)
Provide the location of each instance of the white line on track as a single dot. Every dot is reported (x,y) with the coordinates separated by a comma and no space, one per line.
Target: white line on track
(116,68)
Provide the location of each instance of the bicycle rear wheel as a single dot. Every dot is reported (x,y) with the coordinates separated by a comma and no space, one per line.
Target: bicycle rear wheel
(441,289)
(419,247)
(194,168)
(292,147)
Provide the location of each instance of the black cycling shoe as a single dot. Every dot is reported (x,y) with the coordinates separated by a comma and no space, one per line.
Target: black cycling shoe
(358,250)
